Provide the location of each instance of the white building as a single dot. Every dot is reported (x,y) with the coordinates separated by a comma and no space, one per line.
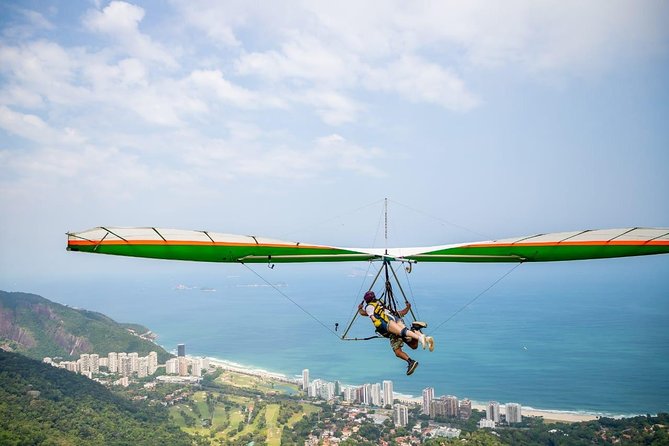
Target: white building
(94,363)
(70,366)
(153,362)
(375,394)
(124,365)
(446,432)
(387,393)
(365,394)
(492,411)
(183,365)
(483,422)
(143,367)
(112,362)
(349,394)
(84,363)
(196,367)
(172,366)
(428,396)
(305,379)
(134,362)
(400,415)
(513,413)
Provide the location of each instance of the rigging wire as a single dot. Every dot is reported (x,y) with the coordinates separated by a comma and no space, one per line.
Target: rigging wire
(291,300)
(413,298)
(330,219)
(476,297)
(442,220)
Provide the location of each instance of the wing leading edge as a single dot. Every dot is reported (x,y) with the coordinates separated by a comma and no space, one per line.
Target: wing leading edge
(203,246)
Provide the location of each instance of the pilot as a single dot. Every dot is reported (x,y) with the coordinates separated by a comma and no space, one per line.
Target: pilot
(391,326)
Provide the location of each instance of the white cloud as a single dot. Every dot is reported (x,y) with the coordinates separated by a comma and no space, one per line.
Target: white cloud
(333,107)
(120,21)
(212,82)
(33,128)
(302,57)
(418,80)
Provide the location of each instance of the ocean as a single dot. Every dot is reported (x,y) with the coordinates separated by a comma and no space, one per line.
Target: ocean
(588,336)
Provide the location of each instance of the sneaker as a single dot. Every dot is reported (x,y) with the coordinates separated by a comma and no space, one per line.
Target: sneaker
(418,325)
(412,366)
(423,341)
(430,343)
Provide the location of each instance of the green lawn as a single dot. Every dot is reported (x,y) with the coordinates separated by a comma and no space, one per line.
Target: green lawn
(200,399)
(225,422)
(273,431)
(308,410)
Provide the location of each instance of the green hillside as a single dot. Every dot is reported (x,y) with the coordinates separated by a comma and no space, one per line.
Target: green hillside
(37,327)
(44,405)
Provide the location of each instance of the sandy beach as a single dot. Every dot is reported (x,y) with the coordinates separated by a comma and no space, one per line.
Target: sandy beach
(547,415)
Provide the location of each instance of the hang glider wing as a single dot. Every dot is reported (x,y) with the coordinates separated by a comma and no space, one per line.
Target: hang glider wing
(559,246)
(203,246)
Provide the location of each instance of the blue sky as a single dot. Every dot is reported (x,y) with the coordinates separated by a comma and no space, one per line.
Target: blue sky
(283,119)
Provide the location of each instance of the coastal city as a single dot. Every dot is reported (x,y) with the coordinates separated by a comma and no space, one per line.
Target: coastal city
(121,368)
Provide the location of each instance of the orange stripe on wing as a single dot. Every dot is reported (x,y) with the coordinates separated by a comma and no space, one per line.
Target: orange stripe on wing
(588,243)
(186,243)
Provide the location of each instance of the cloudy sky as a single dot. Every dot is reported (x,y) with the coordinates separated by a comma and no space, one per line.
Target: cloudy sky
(295,119)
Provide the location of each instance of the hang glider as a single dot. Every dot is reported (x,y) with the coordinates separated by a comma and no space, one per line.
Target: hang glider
(204,246)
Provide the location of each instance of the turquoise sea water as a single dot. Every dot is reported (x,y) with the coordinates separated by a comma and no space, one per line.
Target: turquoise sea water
(580,336)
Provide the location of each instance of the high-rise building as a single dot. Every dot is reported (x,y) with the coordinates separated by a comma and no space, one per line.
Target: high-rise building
(183,366)
(428,396)
(124,365)
(196,367)
(366,394)
(375,394)
(143,367)
(112,362)
(465,409)
(305,379)
(84,363)
(387,393)
(400,415)
(492,411)
(438,408)
(514,413)
(94,363)
(349,394)
(172,366)
(451,405)
(153,363)
(134,362)
(312,390)
(181,349)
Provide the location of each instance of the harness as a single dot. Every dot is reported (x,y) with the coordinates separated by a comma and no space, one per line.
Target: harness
(379,310)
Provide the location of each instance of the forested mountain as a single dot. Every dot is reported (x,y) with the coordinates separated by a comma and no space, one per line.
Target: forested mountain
(37,327)
(41,404)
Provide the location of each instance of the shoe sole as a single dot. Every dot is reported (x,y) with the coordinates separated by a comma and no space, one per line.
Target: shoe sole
(430,343)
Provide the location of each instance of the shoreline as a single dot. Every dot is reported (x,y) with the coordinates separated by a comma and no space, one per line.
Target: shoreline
(550,415)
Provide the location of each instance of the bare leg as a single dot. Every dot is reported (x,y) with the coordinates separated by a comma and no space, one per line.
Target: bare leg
(400,354)
(396,328)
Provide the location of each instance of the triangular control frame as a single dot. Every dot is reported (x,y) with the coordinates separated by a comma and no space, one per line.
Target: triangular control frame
(387,298)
